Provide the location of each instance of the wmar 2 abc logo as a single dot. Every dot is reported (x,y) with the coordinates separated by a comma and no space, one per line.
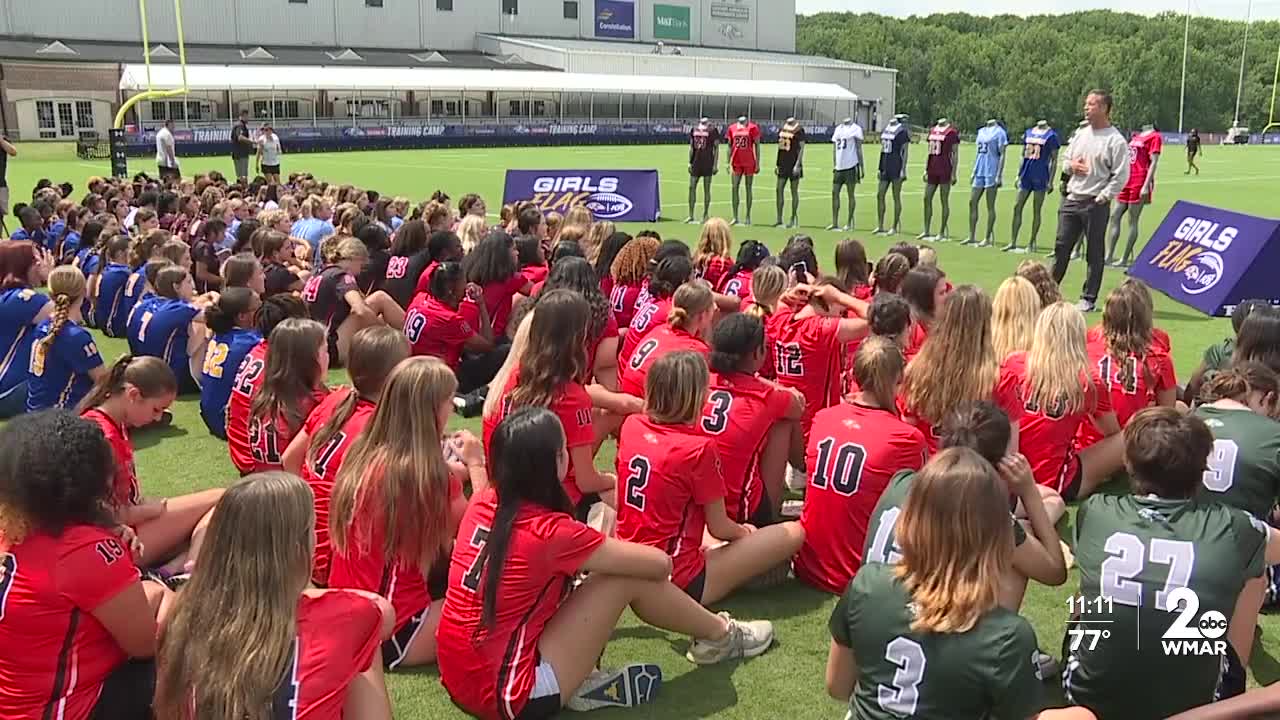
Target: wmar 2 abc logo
(1189,635)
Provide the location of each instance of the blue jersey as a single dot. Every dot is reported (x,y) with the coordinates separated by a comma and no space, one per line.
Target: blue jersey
(19,308)
(59,377)
(222,360)
(159,327)
(87,260)
(37,236)
(992,140)
(1038,148)
(111,308)
(69,247)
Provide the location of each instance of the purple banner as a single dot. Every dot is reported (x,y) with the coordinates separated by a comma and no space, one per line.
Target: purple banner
(619,195)
(1211,259)
(616,19)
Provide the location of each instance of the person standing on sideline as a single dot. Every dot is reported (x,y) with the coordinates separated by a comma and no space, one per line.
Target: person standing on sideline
(269,152)
(167,154)
(1098,160)
(242,147)
(7,150)
(1193,149)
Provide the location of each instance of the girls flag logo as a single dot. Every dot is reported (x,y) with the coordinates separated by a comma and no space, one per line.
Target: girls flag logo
(1203,273)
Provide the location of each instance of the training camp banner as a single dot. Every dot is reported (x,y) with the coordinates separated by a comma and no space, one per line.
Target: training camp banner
(618,195)
(1211,259)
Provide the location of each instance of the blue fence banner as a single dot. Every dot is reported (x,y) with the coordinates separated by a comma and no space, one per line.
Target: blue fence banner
(1212,259)
(618,195)
(616,19)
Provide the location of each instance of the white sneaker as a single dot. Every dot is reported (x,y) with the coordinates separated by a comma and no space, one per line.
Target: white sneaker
(744,640)
(630,686)
(796,479)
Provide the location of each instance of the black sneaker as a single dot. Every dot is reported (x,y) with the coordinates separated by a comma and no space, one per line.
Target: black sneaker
(469,405)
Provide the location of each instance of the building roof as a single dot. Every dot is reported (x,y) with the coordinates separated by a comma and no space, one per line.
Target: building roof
(629,47)
(51,49)
(285,77)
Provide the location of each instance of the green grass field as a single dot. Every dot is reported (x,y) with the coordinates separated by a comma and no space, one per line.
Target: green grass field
(788,681)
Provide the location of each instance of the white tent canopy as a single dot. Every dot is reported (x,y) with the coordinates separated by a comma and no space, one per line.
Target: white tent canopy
(284,77)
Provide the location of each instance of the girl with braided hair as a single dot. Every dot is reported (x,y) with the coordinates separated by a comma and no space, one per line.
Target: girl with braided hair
(65,362)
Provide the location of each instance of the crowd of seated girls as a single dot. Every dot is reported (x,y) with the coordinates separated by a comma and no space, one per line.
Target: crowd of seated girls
(926,426)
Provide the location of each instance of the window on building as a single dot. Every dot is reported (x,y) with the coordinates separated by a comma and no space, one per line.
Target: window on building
(66,121)
(444,5)
(373,3)
(195,111)
(278,109)
(570,9)
(177,110)
(84,114)
(44,119)
(510,7)
(158,111)
(297,2)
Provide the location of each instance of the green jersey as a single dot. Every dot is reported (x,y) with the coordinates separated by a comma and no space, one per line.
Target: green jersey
(986,672)
(1138,556)
(1244,467)
(1218,355)
(881,545)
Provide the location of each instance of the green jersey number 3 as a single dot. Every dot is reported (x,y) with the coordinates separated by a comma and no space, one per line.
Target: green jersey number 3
(902,696)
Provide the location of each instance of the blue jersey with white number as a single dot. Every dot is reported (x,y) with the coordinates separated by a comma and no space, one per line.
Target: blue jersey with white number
(111,308)
(59,377)
(222,360)
(992,140)
(1038,148)
(19,308)
(159,327)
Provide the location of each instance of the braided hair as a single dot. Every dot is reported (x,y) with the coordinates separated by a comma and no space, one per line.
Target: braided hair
(67,287)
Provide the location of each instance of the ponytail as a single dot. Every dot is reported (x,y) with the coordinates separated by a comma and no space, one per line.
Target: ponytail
(152,376)
(232,303)
(672,272)
(878,366)
(767,285)
(375,352)
(690,300)
(1238,380)
(67,288)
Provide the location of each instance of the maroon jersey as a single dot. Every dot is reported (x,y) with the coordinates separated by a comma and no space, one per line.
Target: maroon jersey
(852,453)
(740,411)
(326,297)
(490,672)
(939,167)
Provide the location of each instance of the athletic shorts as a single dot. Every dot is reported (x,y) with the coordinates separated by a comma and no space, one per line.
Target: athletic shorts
(1132,194)
(126,693)
(242,166)
(840,178)
(892,175)
(985,181)
(397,646)
(701,172)
(1037,185)
(168,172)
(937,179)
(1071,479)
(789,173)
(746,169)
(696,586)
(270,169)
(763,514)
(544,699)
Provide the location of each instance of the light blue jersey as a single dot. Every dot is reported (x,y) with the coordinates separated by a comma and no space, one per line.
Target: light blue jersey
(992,141)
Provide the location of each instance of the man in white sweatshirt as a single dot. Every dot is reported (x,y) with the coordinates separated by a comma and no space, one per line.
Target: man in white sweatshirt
(167,154)
(1098,160)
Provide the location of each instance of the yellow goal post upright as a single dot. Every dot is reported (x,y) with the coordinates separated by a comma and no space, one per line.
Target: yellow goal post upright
(119,157)
(1271,114)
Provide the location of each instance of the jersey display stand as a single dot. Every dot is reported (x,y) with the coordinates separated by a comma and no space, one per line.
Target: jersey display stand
(1040,145)
(1212,259)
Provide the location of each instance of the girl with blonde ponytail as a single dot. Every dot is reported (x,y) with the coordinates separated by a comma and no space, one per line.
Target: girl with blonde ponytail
(65,362)
(692,313)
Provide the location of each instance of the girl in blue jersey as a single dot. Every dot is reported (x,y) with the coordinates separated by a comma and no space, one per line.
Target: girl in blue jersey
(64,359)
(143,250)
(231,319)
(91,240)
(23,267)
(107,284)
(69,241)
(171,325)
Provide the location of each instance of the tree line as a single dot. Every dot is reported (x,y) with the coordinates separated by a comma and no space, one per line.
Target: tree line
(1022,69)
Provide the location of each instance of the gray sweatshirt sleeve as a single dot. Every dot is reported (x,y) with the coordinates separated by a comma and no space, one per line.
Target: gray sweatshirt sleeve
(1117,160)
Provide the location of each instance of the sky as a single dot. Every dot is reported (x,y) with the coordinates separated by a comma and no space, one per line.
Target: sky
(1232,9)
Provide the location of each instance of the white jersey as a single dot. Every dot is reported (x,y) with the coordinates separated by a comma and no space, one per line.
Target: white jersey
(846,139)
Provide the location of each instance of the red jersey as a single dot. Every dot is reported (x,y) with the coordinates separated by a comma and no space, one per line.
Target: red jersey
(742,141)
(666,473)
(497,299)
(57,655)
(365,567)
(662,340)
(572,406)
(338,638)
(738,285)
(321,473)
(245,388)
(714,269)
(740,411)
(125,491)
(623,299)
(606,286)
(536,274)
(1046,435)
(807,356)
(1003,395)
(651,314)
(853,452)
(915,340)
(436,329)
(610,332)
(1141,149)
(1160,342)
(490,672)
(424,280)
(1133,384)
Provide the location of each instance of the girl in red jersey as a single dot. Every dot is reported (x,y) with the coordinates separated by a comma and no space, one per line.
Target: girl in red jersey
(249,378)
(1059,389)
(72,607)
(854,450)
(334,298)
(1014,310)
(692,312)
(1127,358)
(317,451)
(630,272)
(292,385)
(853,269)
(957,365)
(604,263)
(515,641)
(575,274)
(494,266)
(135,393)
(671,489)
(533,262)
(396,503)
(549,373)
(443,246)
(247,638)
(436,325)
(670,273)
(891,268)
(737,282)
(925,288)
(745,412)
(767,285)
(711,260)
